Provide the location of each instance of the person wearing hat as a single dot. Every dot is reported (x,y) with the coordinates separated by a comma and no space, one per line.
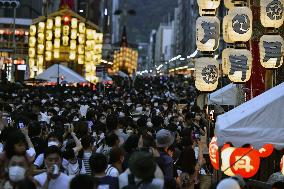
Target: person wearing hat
(141,173)
(164,139)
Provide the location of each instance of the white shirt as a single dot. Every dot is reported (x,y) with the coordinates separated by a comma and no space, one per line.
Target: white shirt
(112,171)
(62,182)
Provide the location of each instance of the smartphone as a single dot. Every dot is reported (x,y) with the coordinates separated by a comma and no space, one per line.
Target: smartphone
(21,125)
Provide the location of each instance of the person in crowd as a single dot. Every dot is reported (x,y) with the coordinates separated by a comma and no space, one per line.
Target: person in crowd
(111,141)
(84,181)
(116,158)
(228,183)
(86,152)
(53,178)
(98,164)
(278,185)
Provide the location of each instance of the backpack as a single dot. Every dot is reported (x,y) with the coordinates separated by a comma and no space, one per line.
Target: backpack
(140,185)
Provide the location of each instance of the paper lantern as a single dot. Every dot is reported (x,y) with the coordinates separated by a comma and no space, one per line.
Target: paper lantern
(240,24)
(213,153)
(88,56)
(41,27)
(225,61)
(90,45)
(271,51)
(74,23)
(32,30)
(282,165)
(81,59)
(208,4)
(48,35)
(40,48)
(73,44)
(82,28)
(229,4)
(56,43)
(49,24)
(39,60)
(31,52)
(88,67)
(48,55)
(40,38)
(72,55)
(98,49)
(266,150)
(31,62)
(58,21)
(245,162)
(65,41)
(48,45)
(207,74)
(81,39)
(56,53)
(57,32)
(81,49)
(32,41)
(226,166)
(207,33)
(240,64)
(271,13)
(65,30)
(226,34)
(98,38)
(73,34)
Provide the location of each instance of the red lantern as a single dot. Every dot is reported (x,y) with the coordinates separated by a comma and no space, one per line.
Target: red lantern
(281,165)
(245,162)
(266,150)
(66,19)
(213,153)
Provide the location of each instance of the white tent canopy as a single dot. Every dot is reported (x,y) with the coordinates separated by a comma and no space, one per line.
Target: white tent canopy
(257,122)
(224,96)
(51,74)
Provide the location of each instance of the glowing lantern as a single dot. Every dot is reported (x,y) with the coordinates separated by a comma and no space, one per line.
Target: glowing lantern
(90,34)
(48,35)
(207,74)
(48,45)
(57,32)
(40,38)
(89,45)
(58,21)
(31,52)
(32,41)
(41,27)
(88,56)
(88,67)
(66,19)
(271,13)
(56,53)
(266,150)
(73,33)
(56,43)
(213,153)
(282,165)
(39,60)
(98,49)
(245,162)
(82,27)
(65,40)
(207,33)
(229,4)
(226,34)
(31,62)
(98,38)
(32,30)
(74,23)
(225,155)
(271,51)
(40,48)
(208,4)
(48,55)
(72,55)
(81,39)
(81,59)
(73,44)
(65,30)
(81,49)
(225,61)
(240,65)
(240,24)
(49,24)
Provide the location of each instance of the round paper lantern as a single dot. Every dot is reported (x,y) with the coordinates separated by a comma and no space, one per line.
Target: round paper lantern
(31,62)
(207,74)
(90,34)
(245,162)
(57,32)
(32,30)
(240,24)
(81,39)
(31,52)
(40,38)
(49,24)
(282,165)
(225,61)
(74,23)
(65,30)
(98,38)
(266,150)
(271,51)
(226,34)
(271,13)
(72,55)
(56,53)
(32,41)
(56,43)
(65,41)
(48,35)
(40,48)
(41,27)
(240,64)
(81,49)
(48,55)
(73,34)
(88,56)
(226,166)
(229,4)
(207,33)
(73,44)
(39,60)
(82,27)
(48,45)
(208,4)
(81,59)
(58,21)
(89,45)
(213,153)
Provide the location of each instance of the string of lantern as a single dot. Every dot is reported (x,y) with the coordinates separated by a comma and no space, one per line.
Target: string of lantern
(207,41)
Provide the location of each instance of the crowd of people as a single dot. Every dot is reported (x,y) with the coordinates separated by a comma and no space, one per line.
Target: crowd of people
(150,134)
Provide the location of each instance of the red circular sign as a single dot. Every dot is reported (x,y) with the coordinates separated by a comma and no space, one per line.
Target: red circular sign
(266,150)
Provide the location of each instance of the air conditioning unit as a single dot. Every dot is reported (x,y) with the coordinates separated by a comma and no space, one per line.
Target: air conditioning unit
(9,4)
